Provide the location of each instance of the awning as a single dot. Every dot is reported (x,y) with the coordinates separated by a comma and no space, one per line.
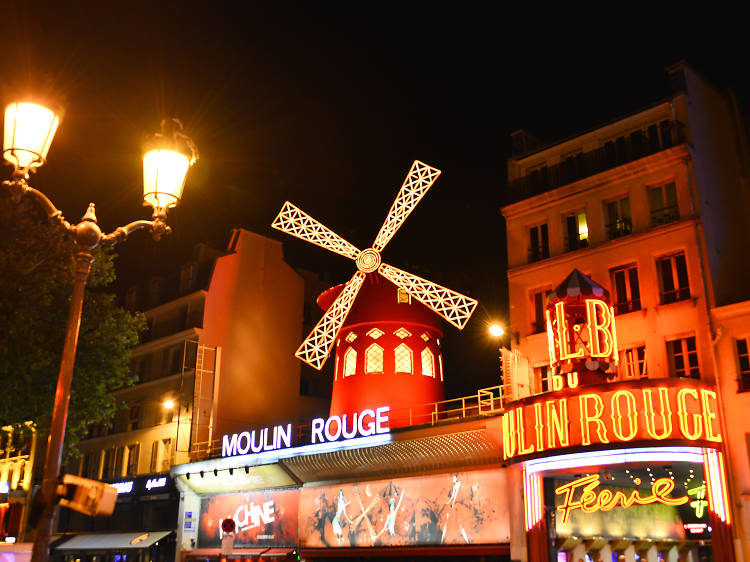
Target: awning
(263,553)
(113,541)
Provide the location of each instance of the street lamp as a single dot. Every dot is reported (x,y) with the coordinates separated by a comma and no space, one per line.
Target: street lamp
(29,130)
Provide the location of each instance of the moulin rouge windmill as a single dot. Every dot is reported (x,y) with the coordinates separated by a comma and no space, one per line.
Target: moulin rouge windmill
(390,352)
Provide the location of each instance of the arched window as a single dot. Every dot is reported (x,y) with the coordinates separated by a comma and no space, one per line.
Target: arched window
(350,362)
(374,359)
(428,363)
(403,359)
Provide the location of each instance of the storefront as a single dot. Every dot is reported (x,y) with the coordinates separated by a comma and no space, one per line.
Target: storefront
(625,471)
(428,493)
(141,527)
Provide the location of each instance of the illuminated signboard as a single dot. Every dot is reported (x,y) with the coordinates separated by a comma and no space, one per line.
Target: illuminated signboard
(611,414)
(592,499)
(450,508)
(324,430)
(263,518)
(574,335)
(123,487)
(156,482)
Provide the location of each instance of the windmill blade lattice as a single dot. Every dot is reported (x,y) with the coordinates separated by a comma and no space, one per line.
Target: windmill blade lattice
(295,221)
(454,307)
(317,346)
(419,179)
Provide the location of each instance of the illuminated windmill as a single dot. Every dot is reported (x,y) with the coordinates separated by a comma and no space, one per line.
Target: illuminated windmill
(452,306)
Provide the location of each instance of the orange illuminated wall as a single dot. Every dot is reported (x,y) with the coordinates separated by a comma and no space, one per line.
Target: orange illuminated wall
(387,353)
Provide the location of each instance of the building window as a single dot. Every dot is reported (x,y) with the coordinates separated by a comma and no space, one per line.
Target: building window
(350,362)
(402,333)
(374,359)
(538,306)
(618,218)
(403,359)
(633,363)
(428,363)
(627,292)
(119,464)
(108,468)
(132,462)
(134,417)
(683,358)
(166,458)
(577,230)
(350,337)
(673,278)
(542,375)
(154,456)
(375,333)
(743,360)
(402,296)
(538,243)
(662,201)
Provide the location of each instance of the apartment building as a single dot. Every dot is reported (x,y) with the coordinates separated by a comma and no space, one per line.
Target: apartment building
(652,207)
(221,337)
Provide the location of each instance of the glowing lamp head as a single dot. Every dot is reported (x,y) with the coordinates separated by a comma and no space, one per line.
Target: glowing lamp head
(496,330)
(29,130)
(166,160)
(168,404)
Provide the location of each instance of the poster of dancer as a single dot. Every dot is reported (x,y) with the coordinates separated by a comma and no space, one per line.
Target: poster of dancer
(263,518)
(451,508)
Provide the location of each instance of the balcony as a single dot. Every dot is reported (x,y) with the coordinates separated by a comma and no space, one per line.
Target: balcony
(617,152)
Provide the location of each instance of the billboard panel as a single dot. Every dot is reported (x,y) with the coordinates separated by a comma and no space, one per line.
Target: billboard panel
(263,518)
(450,508)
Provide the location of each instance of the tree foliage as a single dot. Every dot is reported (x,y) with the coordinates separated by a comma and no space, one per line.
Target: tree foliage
(36,279)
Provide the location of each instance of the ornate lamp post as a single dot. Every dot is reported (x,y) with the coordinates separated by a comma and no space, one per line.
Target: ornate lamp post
(29,130)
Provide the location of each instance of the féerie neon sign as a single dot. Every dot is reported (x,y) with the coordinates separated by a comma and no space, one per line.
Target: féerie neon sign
(605,499)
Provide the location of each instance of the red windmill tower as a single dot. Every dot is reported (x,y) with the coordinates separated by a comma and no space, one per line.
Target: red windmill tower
(388,342)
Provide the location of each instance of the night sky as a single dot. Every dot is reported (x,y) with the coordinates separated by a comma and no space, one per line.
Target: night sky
(327,105)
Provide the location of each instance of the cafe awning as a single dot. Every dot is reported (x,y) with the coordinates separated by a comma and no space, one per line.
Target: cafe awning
(112,541)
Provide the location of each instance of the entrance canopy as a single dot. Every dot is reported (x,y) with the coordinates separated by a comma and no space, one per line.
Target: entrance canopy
(113,541)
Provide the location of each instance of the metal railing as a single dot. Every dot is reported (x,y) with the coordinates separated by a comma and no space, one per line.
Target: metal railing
(614,153)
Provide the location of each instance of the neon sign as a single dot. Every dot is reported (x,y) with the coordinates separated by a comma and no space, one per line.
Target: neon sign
(684,410)
(571,338)
(605,499)
(700,503)
(124,487)
(324,430)
(156,482)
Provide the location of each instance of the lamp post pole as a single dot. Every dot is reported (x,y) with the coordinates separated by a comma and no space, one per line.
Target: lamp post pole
(165,166)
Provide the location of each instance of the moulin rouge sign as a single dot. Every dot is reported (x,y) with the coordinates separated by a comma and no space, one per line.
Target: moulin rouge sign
(611,414)
(347,426)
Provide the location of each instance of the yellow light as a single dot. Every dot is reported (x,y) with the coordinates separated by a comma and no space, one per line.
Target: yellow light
(496,330)
(168,404)
(164,174)
(29,129)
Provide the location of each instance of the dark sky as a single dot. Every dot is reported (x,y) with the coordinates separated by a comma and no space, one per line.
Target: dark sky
(327,105)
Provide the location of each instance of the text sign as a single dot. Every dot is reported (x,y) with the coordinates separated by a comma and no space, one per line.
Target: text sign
(324,430)
(620,413)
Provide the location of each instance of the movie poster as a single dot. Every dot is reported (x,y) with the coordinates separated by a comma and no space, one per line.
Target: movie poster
(451,508)
(263,518)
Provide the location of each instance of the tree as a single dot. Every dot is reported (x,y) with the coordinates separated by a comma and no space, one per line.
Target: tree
(36,278)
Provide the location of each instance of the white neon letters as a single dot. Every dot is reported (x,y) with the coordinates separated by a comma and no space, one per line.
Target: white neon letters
(324,430)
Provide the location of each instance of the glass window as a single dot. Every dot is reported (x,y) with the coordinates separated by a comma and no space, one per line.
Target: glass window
(618,218)
(538,243)
(683,358)
(108,468)
(538,306)
(743,362)
(577,230)
(428,363)
(154,456)
(133,451)
(627,294)
(374,359)
(633,363)
(662,202)
(166,459)
(673,278)
(350,362)
(403,359)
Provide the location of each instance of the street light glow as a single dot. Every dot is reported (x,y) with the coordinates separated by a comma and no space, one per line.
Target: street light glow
(29,129)
(168,404)
(164,174)
(496,330)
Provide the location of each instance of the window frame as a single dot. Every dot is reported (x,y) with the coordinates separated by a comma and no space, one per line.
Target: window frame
(623,225)
(692,371)
(743,374)
(666,213)
(632,303)
(680,293)
(537,246)
(637,366)
(538,325)
(580,243)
